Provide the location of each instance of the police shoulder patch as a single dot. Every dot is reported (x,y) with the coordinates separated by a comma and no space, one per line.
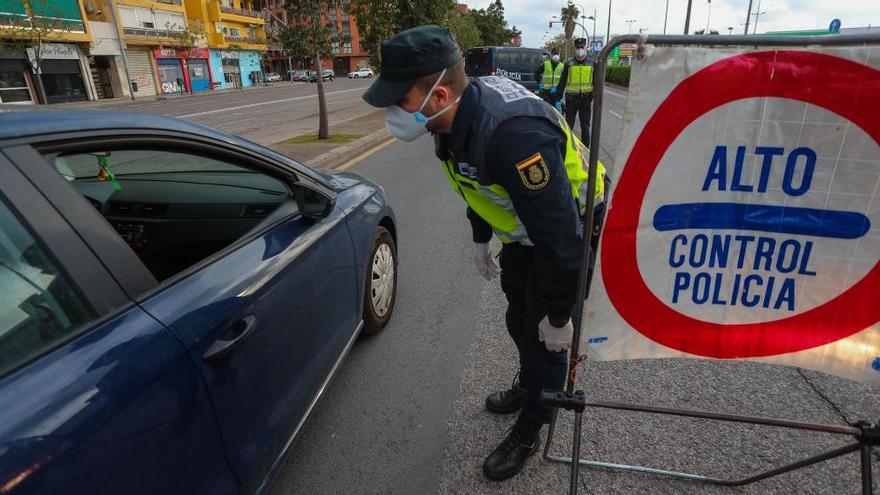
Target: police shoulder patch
(534,172)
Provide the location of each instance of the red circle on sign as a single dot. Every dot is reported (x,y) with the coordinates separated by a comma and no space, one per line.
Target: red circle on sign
(847,88)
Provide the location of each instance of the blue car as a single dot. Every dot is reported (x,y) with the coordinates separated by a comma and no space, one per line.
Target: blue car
(175,299)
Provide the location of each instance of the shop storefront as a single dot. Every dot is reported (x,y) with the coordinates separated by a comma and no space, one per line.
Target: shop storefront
(182,71)
(234,69)
(62,72)
(15,78)
(140,65)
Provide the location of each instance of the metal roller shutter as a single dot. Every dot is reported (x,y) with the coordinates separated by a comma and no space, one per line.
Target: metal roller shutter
(141,71)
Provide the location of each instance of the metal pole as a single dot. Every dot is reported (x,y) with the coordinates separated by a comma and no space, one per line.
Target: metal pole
(867,480)
(687,17)
(748,18)
(608,31)
(666,17)
(594,25)
(576,453)
(757,15)
(121,48)
(708,16)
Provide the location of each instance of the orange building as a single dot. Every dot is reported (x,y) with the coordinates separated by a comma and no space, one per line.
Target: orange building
(347,57)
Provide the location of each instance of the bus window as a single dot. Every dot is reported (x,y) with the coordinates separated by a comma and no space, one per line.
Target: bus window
(478,62)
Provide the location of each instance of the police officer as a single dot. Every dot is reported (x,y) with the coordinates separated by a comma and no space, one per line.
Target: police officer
(521,172)
(549,75)
(576,83)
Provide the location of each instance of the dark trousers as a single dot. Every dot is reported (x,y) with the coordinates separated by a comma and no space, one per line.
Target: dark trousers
(579,105)
(539,368)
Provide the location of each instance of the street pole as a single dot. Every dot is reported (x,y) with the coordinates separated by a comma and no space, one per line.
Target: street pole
(758,13)
(121,48)
(708,16)
(594,25)
(666,17)
(687,17)
(608,32)
(748,18)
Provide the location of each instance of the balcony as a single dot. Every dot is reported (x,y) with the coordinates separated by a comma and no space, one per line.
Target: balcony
(171,2)
(241,12)
(251,40)
(219,40)
(152,33)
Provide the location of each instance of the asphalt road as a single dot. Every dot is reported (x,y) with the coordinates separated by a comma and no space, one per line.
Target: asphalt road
(382,424)
(265,115)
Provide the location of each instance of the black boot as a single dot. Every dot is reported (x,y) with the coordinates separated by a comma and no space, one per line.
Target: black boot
(506,401)
(508,459)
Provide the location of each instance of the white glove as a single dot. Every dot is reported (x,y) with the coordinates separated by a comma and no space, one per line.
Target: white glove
(484,257)
(555,339)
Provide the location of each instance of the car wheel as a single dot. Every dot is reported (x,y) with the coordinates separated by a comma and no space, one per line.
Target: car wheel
(369,75)
(356,76)
(381,282)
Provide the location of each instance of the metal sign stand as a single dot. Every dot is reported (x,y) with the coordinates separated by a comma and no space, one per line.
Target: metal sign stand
(867,434)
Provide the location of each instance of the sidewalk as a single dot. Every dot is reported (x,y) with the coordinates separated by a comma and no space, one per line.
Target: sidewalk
(365,132)
(122,102)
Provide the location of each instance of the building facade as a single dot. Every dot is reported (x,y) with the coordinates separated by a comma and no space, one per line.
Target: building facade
(236,39)
(346,58)
(47,54)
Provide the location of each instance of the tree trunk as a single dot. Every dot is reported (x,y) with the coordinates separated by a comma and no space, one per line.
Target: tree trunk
(323,125)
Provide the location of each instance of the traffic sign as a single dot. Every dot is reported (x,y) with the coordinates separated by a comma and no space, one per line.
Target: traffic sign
(834,27)
(738,228)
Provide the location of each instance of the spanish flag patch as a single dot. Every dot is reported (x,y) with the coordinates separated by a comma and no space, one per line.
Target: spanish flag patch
(533,172)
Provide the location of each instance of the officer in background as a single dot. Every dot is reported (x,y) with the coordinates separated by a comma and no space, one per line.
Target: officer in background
(522,174)
(577,85)
(548,75)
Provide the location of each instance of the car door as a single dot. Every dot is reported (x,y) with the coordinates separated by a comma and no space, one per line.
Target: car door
(98,397)
(267,317)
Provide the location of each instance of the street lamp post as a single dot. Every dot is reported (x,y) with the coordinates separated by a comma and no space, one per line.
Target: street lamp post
(608,31)
(666,17)
(748,18)
(757,14)
(629,23)
(730,30)
(687,17)
(708,16)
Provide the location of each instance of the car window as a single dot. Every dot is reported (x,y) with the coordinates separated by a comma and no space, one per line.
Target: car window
(173,209)
(39,307)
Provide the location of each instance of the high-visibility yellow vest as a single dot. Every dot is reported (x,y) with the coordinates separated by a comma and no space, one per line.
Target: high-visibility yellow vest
(551,75)
(580,78)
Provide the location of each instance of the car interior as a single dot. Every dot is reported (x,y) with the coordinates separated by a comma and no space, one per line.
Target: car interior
(174,209)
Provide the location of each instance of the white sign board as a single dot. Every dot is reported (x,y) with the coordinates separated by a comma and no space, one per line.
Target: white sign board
(745,218)
(56,51)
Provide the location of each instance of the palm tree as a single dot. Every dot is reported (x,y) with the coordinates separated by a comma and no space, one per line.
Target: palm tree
(569,15)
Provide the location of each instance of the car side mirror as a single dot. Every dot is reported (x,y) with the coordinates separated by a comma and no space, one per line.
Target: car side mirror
(313,204)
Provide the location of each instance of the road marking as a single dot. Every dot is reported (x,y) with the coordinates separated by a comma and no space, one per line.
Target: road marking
(347,165)
(251,105)
(616,114)
(615,93)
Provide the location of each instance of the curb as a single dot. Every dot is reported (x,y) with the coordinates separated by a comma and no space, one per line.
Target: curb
(337,157)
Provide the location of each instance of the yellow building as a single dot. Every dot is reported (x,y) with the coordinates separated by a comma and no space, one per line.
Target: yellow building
(236,39)
(46,59)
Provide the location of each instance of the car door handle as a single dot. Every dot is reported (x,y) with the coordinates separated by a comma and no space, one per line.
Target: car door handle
(232,338)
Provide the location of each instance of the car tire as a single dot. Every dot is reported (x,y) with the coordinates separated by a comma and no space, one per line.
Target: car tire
(380,286)
(356,76)
(369,75)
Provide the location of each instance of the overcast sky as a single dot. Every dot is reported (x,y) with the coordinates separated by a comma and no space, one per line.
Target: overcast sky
(531,16)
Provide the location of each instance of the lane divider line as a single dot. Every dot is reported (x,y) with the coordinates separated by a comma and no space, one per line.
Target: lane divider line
(273,102)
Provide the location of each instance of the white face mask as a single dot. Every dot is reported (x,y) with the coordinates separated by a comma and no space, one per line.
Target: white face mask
(408,126)
(580,52)
(555,58)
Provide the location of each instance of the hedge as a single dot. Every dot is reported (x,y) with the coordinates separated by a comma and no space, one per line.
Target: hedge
(618,74)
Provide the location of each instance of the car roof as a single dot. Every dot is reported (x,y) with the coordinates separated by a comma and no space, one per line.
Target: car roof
(18,124)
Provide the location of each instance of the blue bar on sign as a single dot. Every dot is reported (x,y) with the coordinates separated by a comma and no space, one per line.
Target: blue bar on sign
(762,218)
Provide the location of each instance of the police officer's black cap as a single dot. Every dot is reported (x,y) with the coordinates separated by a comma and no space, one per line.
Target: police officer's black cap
(406,57)
(579,42)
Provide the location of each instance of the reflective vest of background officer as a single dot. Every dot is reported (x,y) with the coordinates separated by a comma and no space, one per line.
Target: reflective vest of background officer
(522,173)
(548,75)
(577,85)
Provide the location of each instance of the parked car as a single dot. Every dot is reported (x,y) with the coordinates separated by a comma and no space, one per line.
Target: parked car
(326,75)
(297,75)
(273,77)
(365,72)
(518,64)
(175,299)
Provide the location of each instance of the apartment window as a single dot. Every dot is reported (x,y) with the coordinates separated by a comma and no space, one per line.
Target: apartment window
(171,21)
(234,32)
(222,29)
